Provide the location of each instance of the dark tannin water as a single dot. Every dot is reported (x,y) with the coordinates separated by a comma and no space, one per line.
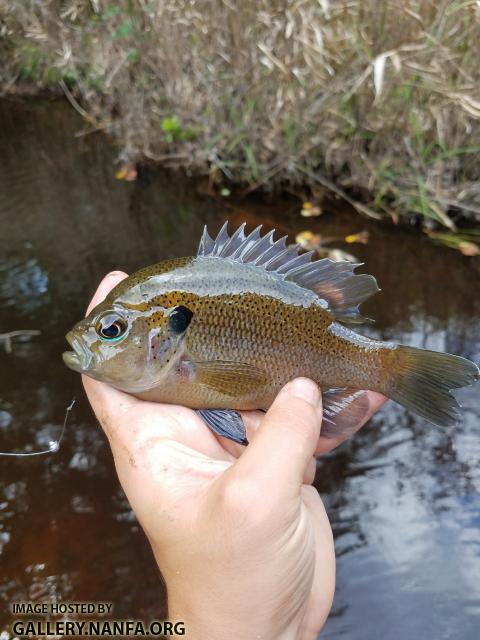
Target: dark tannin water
(403,496)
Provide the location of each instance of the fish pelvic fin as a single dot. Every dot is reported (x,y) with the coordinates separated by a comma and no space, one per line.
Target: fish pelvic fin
(226,423)
(423,380)
(334,282)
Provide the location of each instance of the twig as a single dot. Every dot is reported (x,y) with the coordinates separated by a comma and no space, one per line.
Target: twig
(6,338)
(358,206)
(458,204)
(73,102)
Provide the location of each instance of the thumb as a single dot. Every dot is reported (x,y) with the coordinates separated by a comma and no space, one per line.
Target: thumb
(283,447)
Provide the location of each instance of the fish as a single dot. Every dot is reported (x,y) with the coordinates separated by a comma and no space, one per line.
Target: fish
(225,330)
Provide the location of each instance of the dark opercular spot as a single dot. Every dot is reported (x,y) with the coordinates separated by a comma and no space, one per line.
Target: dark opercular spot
(179,319)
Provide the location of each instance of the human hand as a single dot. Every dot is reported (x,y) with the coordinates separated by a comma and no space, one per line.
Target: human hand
(242,539)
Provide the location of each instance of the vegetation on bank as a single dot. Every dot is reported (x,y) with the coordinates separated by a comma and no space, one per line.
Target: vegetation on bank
(376,99)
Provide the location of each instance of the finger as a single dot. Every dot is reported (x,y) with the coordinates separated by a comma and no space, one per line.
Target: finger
(252,421)
(376,400)
(310,471)
(133,425)
(106,285)
(112,408)
(280,454)
(323,587)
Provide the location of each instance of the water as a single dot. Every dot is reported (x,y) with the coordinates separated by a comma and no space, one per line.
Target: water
(403,497)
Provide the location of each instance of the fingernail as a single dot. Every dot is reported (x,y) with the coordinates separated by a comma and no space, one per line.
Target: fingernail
(305,389)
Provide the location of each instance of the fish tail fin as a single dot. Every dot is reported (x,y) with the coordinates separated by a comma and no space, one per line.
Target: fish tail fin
(423,379)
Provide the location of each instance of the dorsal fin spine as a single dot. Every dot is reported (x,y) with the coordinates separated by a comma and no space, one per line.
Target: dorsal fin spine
(206,243)
(272,252)
(256,252)
(250,240)
(277,259)
(298,260)
(237,239)
(334,282)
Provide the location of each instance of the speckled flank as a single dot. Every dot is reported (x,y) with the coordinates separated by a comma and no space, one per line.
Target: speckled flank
(282,341)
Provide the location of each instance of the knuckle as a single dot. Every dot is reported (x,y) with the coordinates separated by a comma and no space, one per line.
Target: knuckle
(240,501)
(115,275)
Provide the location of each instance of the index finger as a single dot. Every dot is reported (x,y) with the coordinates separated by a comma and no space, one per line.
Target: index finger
(106,285)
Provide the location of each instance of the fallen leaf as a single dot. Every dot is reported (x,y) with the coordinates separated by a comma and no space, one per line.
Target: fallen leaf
(308,240)
(338,255)
(309,210)
(127,173)
(361,237)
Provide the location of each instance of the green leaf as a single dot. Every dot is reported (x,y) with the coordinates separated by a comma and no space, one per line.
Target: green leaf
(124,30)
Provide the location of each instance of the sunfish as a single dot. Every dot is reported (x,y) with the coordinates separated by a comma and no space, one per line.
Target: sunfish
(225,330)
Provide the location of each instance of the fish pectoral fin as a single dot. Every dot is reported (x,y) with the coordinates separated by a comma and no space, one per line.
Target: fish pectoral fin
(226,423)
(230,378)
(343,411)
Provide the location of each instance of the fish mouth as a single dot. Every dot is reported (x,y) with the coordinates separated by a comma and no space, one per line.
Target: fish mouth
(79,359)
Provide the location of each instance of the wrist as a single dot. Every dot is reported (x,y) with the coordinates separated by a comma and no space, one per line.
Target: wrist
(206,618)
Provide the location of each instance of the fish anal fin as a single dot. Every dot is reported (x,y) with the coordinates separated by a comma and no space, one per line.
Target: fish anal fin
(344,410)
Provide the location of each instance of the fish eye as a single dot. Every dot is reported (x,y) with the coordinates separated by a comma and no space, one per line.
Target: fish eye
(179,319)
(111,327)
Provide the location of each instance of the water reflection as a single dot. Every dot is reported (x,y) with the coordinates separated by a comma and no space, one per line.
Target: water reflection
(402,496)
(23,284)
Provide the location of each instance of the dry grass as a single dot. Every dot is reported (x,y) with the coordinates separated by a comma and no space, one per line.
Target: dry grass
(378,96)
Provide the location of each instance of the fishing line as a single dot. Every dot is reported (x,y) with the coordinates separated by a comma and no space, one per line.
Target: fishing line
(53,445)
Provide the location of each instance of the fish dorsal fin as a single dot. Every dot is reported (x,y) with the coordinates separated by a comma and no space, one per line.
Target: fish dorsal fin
(335,282)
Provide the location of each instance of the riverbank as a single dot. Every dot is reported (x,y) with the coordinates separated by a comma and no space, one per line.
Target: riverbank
(380,103)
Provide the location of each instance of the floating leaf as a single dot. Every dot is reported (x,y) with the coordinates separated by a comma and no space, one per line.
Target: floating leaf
(460,241)
(361,237)
(303,238)
(308,240)
(309,210)
(127,173)
(338,255)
